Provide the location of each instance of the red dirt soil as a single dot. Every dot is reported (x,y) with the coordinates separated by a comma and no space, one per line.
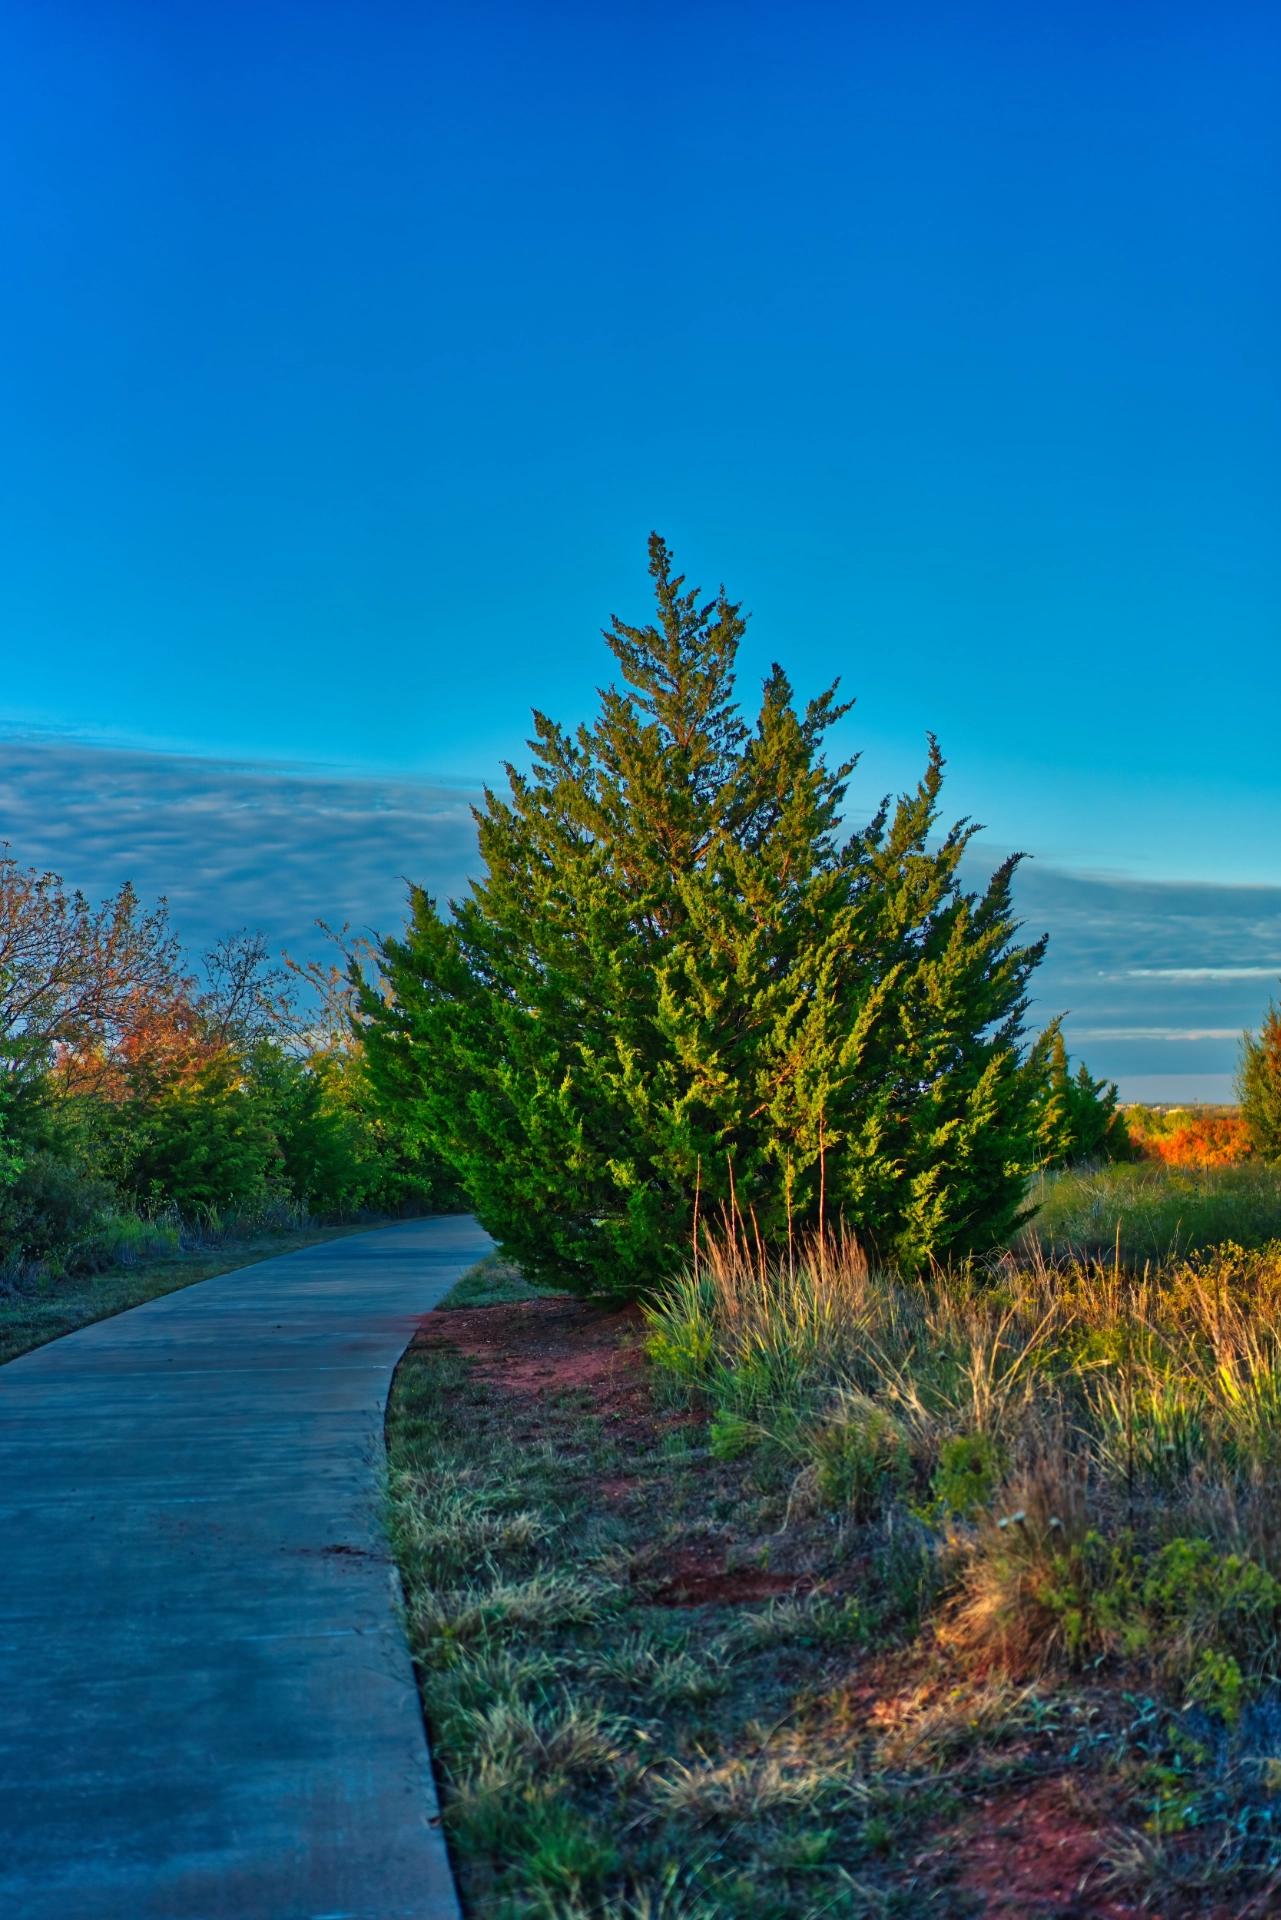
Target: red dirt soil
(531,1345)
(699,1577)
(536,1348)
(561,1345)
(1031,1854)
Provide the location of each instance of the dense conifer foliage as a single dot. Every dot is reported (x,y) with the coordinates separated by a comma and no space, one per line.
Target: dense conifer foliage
(1080,1121)
(683,983)
(1260,1085)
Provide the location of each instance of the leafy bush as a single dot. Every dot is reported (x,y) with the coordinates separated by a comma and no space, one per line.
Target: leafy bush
(1206,1603)
(131,1086)
(322,1156)
(125,1240)
(969,1468)
(205,1147)
(1189,1136)
(49,1208)
(1039,1588)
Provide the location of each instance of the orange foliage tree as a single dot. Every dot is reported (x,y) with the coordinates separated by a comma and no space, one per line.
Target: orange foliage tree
(1189,1137)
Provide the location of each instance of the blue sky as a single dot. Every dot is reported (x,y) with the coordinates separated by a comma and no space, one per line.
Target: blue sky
(351,352)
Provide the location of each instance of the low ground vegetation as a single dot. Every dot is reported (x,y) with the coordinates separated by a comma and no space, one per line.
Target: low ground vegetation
(805,1589)
(1152,1211)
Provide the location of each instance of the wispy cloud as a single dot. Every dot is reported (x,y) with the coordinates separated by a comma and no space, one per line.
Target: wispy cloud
(1271,971)
(1156,980)
(1086,1034)
(232,845)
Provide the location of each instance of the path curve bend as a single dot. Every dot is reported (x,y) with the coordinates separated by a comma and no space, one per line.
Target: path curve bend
(207,1706)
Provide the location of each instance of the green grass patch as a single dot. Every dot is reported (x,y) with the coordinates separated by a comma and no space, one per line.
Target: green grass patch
(492,1282)
(1145,1212)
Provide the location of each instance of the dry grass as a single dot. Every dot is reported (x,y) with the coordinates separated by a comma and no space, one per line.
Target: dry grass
(606,1753)
(1057,1468)
(1036,1508)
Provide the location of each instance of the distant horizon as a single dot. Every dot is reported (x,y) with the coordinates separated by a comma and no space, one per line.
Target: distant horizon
(1151,1001)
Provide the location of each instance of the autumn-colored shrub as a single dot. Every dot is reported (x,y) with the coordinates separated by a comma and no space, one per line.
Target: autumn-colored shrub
(1189,1136)
(1213,1140)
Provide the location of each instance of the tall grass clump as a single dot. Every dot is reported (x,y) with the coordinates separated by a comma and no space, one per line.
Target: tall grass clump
(1092,1457)
(765,1338)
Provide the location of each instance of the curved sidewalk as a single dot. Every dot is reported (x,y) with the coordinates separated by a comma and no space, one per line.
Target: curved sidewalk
(207,1708)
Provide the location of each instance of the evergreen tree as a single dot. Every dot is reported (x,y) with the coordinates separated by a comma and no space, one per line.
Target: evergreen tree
(204,1144)
(318,1142)
(1259,1085)
(677,985)
(1079,1120)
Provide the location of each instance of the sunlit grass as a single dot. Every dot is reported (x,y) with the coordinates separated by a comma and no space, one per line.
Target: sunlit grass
(1045,1491)
(1062,1432)
(1146,1212)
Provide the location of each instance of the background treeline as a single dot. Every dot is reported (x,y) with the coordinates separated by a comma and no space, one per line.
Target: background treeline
(144,1100)
(1196,1136)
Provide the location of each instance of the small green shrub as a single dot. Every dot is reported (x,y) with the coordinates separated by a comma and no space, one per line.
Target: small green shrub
(970,1466)
(323,1153)
(861,1456)
(1218,1685)
(1040,1584)
(125,1240)
(205,1149)
(730,1435)
(1202,1601)
(49,1209)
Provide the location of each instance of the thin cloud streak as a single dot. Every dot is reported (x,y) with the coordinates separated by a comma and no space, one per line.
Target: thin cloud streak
(1156,1033)
(1270,972)
(1155,980)
(234,845)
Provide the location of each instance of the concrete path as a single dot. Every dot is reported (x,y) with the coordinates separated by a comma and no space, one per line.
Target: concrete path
(207,1709)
